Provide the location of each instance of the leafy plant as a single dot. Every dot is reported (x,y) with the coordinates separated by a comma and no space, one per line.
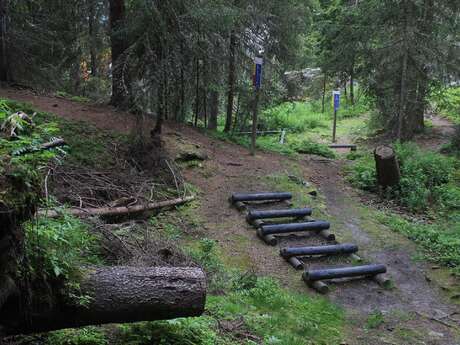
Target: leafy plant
(57,247)
(81,336)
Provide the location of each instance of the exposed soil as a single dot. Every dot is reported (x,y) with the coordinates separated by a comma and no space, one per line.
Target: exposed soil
(416,311)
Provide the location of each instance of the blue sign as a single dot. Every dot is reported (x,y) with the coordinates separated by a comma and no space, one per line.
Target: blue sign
(258,72)
(336,95)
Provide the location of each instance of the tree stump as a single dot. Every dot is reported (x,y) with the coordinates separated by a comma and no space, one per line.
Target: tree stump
(387,166)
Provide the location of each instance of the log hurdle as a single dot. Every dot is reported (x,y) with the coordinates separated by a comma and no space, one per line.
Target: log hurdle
(270,214)
(248,197)
(314,278)
(291,254)
(322,227)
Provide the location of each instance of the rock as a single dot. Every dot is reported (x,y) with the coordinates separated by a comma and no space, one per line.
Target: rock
(192,155)
(436,335)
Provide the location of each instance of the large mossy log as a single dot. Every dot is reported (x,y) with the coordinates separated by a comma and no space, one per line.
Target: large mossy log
(119,295)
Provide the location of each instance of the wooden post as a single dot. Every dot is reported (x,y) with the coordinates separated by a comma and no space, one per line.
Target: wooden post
(254,123)
(258,62)
(334,130)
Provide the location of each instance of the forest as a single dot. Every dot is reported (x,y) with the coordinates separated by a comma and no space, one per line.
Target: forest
(224,172)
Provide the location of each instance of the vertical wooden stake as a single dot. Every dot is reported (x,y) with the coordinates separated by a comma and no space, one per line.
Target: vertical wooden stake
(254,123)
(334,129)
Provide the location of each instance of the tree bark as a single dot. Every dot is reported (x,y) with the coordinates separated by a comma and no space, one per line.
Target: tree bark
(197,93)
(4,65)
(352,87)
(214,109)
(387,167)
(323,101)
(231,81)
(118,295)
(118,45)
(92,31)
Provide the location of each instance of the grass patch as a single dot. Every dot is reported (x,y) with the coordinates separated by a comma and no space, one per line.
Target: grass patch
(375,320)
(440,241)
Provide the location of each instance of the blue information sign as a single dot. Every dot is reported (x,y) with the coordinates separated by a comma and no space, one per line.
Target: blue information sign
(258,72)
(336,95)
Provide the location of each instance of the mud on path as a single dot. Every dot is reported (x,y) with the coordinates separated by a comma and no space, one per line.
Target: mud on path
(416,311)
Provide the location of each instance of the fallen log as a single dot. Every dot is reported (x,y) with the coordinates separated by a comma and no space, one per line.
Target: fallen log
(120,295)
(116,211)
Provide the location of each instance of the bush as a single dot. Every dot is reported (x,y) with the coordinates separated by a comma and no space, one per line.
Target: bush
(447,103)
(425,178)
(308,147)
(57,247)
(294,116)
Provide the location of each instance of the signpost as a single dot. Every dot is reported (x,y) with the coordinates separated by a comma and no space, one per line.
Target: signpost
(257,82)
(336,100)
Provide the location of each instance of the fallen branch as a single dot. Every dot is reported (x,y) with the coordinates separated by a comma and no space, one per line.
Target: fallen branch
(43,147)
(116,211)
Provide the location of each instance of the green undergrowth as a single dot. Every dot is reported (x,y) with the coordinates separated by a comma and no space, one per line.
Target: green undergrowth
(21,131)
(429,186)
(439,240)
(257,310)
(57,247)
(447,103)
(81,336)
(261,308)
(308,130)
(293,145)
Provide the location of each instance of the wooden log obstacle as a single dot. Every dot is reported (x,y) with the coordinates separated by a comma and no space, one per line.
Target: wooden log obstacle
(352,147)
(294,255)
(314,278)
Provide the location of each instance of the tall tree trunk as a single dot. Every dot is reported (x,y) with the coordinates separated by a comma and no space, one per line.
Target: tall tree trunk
(197,93)
(231,81)
(92,30)
(4,66)
(352,86)
(323,101)
(213,109)
(117,22)
(182,93)
(401,133)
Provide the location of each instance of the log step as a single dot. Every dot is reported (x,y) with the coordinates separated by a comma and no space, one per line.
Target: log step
(294,227)
(245,197)
(344,272)
(346,248)
(267,214)
(352,147)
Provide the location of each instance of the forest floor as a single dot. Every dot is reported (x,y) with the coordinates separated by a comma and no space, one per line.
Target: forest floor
(418,310)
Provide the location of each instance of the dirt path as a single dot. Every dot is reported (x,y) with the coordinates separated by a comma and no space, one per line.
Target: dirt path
(415,312)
